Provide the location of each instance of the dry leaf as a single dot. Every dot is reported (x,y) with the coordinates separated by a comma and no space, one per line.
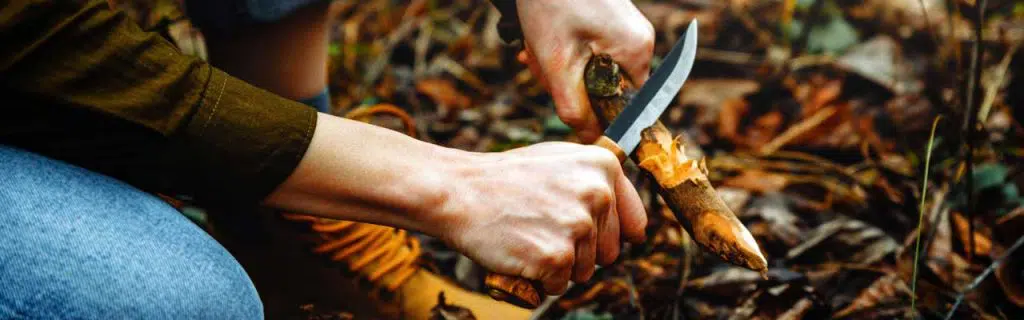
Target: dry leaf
(443,92)
(982,244)
(889,289)
(757,181)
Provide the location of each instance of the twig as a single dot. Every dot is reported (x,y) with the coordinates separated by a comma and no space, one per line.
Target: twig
(686,264)
(928,24)
(798,130)
(730,57)
(984,274)
(632,287)
(920,210)
(764,39)
(972,119)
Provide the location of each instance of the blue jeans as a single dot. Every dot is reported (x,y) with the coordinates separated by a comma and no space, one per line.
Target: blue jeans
(75,244)
(226,16)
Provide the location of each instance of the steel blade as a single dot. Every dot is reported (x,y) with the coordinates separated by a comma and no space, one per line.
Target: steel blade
(656,94)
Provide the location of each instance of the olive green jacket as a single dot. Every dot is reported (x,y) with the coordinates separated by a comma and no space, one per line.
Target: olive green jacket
(84,84)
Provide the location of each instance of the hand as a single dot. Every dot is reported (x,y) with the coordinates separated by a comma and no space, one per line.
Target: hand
(546,212)
(562,35)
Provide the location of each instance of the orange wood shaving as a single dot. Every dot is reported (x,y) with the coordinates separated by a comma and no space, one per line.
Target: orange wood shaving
(668,163)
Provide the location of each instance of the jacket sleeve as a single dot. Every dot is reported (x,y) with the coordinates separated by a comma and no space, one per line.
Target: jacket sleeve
(83,84)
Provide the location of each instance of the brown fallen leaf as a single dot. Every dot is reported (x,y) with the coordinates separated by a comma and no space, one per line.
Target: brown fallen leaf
(1009,274)
(728,282)
(757,181)
(844,239)
(443,92)
(982,242)
(783,301)
(887,290)
(764,129)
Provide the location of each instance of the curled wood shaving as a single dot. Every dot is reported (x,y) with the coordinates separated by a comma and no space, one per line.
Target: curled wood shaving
(669,164)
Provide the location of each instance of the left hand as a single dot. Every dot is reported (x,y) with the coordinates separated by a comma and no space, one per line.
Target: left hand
(562,35)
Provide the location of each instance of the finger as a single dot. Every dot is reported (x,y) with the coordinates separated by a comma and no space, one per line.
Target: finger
(573,106)
(563,68)
(631,213)
(551,265)
(527,58)
(638,68)
(631,46)
(586,252)
(557,280)
(608,238)
(637,62)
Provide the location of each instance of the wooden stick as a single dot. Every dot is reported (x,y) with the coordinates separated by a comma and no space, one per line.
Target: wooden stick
(682,183)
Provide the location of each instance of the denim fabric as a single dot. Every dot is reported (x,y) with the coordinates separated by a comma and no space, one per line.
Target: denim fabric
(226,16)
(273,10)
(76,244)
(322,101)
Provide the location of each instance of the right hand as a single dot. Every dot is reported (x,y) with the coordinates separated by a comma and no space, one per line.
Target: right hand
(546,212)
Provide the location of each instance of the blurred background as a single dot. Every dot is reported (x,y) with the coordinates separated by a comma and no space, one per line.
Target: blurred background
(815,118)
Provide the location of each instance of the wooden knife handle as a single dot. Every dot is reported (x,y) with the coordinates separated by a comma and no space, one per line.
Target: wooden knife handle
(607,143)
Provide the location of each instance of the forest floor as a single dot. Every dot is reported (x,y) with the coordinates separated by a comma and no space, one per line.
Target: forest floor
(819,121)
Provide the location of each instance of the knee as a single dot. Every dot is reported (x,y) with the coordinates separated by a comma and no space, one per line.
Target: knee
(215,290)
(74,244)
(96,284)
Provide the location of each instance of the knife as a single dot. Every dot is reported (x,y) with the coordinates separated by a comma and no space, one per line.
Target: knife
(621,137)
(623,134)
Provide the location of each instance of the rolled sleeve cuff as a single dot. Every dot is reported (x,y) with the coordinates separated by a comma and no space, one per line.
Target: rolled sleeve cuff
(245,141)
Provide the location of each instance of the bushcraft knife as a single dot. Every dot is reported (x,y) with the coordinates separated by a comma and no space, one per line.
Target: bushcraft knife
(621,137)
(623,133)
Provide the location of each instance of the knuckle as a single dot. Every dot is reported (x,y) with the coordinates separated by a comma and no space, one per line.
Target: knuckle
(646,36)
(603,156)
(643,33)
(582,226)
(598,197)
(572,116)
(558,258)
(592,192)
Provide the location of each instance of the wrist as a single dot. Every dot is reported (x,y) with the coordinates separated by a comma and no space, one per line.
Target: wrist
(434,196)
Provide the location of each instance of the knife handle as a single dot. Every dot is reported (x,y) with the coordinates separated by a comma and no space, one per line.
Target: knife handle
(607,143)
(524,292)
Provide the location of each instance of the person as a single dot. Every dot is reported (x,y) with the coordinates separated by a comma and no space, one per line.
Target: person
(99,116)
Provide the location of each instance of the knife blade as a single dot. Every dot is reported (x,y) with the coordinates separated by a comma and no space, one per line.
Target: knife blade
(654,96)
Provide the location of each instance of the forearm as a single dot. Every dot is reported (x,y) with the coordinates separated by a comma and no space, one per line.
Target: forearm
(356,171)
